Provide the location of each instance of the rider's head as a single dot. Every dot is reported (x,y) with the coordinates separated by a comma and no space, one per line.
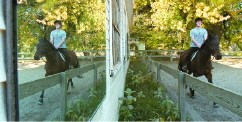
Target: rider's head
(58,24)
(198,22)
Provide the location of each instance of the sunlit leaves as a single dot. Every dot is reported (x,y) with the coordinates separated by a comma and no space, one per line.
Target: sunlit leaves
(211,13)
(83,20)
(166,23)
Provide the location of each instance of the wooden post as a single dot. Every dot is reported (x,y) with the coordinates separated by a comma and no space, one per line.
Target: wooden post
(150,65)
(95,72)
(63,96)
(158,72)
(181,96)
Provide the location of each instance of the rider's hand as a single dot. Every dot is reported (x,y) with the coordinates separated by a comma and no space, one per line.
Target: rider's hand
(198,45)
(56,47)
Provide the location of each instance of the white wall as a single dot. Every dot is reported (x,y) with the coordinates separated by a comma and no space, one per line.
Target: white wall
(115,73)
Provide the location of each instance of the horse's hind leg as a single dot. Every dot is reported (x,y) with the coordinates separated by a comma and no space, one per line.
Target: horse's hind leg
(192,92)
(41,101)
(77,65)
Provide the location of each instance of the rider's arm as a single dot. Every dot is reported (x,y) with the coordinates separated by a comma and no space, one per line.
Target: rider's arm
(205,34)
(193,40)
(51,37)
(63,39)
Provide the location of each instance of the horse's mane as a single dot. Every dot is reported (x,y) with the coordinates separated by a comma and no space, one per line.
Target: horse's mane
(209,39)
(45,41)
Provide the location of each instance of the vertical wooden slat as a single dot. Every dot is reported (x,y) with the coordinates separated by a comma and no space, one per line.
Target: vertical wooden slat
(95,72)
(158,72)
(63,96)
(181,96)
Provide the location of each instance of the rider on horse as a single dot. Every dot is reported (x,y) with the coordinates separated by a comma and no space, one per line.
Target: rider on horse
(58,39)
(198,36)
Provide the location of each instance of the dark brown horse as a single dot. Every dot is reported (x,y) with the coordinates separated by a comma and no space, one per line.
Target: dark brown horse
(201,64)
(54,61)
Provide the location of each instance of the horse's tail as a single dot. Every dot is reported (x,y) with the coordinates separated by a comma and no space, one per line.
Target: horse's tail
(179,65)
(77,64)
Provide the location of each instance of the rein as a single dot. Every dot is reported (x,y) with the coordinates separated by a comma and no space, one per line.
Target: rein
(47,55)
(210,54)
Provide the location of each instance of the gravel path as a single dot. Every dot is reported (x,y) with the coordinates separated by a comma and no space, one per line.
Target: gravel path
(227,74)
(31,111)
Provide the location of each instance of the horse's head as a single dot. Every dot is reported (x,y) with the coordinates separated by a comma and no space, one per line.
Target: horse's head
(43,48)
(213,44)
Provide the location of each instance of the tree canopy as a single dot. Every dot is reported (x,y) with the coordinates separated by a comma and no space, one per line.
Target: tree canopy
(160,24)
(83,20)
(169,22)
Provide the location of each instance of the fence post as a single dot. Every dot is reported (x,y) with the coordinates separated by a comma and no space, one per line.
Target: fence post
(158,71)
(150,65)
(181,95)
(95,72)
(63,96)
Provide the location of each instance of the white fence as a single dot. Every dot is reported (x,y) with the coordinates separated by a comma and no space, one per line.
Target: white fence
(224,97)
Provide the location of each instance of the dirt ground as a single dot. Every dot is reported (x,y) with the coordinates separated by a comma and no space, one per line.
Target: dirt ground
(227,74)
(29,108)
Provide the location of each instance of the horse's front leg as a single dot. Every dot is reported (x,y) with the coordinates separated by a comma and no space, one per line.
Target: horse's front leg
(41,101)
(209,77)
(70,81)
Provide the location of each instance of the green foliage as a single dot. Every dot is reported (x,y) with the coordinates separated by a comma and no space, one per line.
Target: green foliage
(83,20)
(165,24)
(159,93)
(146,102)
(127,107)
(85,107)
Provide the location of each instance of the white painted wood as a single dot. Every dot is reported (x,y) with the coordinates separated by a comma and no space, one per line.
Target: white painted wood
(2,23)
(116,71)
(2,67)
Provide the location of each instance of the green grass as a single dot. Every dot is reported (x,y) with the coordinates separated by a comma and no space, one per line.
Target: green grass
(85,107)
(145,99)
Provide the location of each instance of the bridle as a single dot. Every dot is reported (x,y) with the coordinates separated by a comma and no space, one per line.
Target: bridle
(47,55)
(209,54)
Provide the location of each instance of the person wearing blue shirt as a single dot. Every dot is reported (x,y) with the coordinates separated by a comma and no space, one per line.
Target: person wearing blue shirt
(198,36)
(58,39)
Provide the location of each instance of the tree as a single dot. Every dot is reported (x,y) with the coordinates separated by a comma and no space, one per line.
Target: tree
(171,21)
(82,20)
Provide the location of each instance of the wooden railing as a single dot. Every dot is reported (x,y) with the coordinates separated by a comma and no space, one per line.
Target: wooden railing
(171,54)
(224,97)
(174,54)
(85,54)
(33,87)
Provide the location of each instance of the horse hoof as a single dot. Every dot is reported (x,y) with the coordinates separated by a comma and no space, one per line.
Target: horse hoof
(215,105)
(192,97)
(40,102)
